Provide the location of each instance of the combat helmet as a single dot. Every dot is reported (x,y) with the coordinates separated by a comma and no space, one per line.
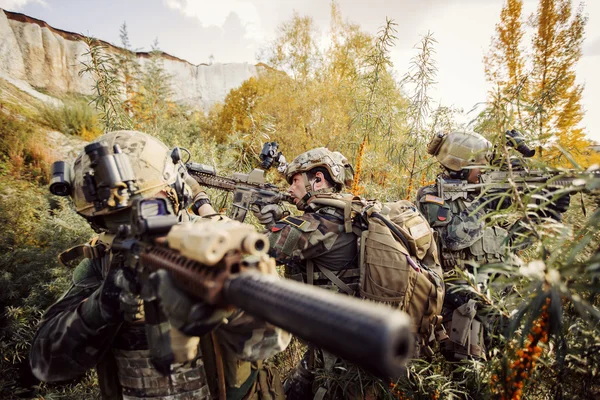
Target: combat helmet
(134,165)
(333,161)
(458,149)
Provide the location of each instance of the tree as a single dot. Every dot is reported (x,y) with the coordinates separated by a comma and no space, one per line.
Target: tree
(238,108)
(542,97)
(107,85)
(555,96)
(129,70)
(371,119)
(420,77)
(295,49)
(505,63)
(152,99)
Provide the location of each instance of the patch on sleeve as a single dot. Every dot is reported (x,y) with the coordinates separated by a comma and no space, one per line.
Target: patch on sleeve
(295,222)
(277,227)
(429,198)
(442,214)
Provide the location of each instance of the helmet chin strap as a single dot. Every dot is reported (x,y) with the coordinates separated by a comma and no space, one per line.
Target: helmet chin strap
(301,205)
(310,192)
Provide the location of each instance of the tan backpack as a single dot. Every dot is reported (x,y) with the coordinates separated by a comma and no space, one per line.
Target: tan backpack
(398,263)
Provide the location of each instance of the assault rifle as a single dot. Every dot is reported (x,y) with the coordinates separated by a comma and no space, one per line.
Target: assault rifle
(218,263)
(494,181)
(250,191)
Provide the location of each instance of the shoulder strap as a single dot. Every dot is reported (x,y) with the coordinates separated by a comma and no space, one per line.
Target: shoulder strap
(310,267)
(339,201)
(95,248)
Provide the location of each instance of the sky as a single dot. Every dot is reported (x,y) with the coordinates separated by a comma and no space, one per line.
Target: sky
(237,30)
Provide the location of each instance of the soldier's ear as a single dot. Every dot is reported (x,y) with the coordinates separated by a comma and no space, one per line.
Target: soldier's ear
(319,177)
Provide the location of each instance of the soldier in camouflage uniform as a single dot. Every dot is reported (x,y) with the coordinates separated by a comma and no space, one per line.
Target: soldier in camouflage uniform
(99,323)
(315,248)
(465,240)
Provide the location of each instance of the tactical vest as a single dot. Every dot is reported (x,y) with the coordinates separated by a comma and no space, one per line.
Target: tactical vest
(439,212)
(465,332)
(126,371)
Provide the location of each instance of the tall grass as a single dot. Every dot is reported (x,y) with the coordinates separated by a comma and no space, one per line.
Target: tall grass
(74,118)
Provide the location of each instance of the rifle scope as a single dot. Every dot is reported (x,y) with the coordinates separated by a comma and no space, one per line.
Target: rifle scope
(516,140)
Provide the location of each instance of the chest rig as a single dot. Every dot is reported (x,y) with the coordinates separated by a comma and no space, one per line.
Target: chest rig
(126,371)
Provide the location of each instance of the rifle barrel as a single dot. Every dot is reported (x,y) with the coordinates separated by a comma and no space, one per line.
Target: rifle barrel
(368,334)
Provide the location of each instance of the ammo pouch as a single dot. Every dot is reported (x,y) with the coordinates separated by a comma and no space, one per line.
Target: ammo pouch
(490,247)
(465,333)
(462,318)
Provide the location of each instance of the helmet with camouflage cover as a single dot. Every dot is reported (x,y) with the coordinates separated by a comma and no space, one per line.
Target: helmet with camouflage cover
(152,167)
(333,161)
(458,150)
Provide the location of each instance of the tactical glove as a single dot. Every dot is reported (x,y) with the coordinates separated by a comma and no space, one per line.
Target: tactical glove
(131,303)
(113,302)
(269,214)
(554,206)
(189,315)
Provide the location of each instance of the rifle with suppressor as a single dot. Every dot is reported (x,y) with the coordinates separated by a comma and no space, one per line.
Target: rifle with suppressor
(218,263)
(250,191)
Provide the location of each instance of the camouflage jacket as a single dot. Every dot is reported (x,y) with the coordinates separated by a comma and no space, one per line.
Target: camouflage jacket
(460,223)
(73,337)
(317,236)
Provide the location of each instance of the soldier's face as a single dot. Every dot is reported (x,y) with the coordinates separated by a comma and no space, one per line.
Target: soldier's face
(473,176)
(297,189)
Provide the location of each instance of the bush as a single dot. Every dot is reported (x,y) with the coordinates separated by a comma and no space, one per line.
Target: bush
(26,147)
(35,228)
(75,117)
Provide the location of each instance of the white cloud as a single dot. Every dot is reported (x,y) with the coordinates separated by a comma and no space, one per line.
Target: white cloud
(216,13)
(17,5)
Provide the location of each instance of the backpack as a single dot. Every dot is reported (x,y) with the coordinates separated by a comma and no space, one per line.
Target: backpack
(398,258)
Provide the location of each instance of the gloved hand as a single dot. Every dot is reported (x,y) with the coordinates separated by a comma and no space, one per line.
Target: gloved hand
(554,206)
(268,214)
(191,316)
(132,304)
(117,298)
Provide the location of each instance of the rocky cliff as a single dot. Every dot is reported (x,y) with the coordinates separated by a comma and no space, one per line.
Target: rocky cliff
(34,53)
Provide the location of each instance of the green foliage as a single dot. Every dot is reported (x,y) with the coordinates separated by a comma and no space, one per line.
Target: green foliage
(107,85)
(31,279)
(25,146)
(74,117)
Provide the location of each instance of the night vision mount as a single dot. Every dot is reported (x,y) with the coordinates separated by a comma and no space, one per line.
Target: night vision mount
(270,154)
(109,183)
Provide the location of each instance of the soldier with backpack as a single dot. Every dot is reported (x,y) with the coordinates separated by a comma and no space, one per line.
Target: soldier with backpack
(382,252)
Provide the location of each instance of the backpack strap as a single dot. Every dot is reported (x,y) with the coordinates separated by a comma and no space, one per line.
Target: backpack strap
(337,201)
(310,269)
